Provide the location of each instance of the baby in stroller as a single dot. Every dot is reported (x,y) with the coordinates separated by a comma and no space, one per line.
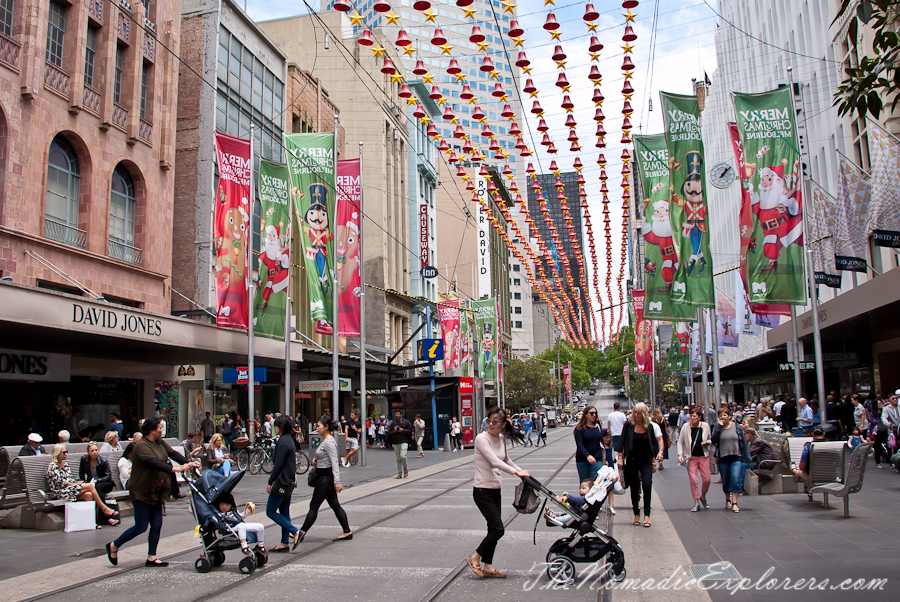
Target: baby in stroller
(562,519)
(235,518)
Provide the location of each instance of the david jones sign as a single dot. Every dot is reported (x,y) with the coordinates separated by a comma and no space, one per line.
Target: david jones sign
(112,319)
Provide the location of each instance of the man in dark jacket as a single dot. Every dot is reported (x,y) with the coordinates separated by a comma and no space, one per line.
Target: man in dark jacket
(401,433)
(33,446)
(789,415)
(761,453)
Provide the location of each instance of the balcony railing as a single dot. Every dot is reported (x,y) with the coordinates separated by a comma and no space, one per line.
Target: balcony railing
(64,233)
(9,52)
(90,99)
(120,116)
(145,131)
(57,80)
(125,252)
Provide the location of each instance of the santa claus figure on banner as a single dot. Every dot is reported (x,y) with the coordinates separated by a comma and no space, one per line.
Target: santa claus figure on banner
(658,232)
(778,209)
(277,262)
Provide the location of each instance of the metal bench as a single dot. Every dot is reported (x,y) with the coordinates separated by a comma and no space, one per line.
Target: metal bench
(827,460)
(854,481)
(795,448)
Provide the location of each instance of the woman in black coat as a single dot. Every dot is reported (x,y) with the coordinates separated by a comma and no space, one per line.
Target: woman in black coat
(94,467)
(641,445)
(282,482)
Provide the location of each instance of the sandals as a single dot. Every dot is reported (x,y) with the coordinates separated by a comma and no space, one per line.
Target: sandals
(476,568)
(705,503)
(696,508)
(647,524)
(735,508)
(728,504)
(344,537)
(283,550)
(246,549)
(298,537)
(156,563)
(495,574)
(262,550)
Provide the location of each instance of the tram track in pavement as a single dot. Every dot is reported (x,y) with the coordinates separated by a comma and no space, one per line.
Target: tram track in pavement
(293,558)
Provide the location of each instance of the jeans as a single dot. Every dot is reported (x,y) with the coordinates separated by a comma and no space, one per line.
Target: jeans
(732,474)
(278,508)
(640,480)
(488,502)
(459,444)
(586,470)
(699,464)
(528,437)
(144,515)
(224,469)
(400,453)
(324,492)
(615,442)
(227,439)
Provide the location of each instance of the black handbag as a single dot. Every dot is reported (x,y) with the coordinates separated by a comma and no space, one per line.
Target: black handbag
(283,490)
(311,476)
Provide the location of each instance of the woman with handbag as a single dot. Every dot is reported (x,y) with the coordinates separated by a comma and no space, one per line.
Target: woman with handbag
(282,482)
(325,478)
(491,457)
(639,449)
(693,452)
(588,445)
(731,451)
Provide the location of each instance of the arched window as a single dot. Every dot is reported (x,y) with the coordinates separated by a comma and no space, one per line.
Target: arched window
(121,216)
(63,188)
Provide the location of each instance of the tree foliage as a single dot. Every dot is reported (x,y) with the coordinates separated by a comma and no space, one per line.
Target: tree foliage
(877,77)
(526,382)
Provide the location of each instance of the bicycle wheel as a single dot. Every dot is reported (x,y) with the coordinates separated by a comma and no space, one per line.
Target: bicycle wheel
(242,459)
(256,461)
(267,462)
(302,462)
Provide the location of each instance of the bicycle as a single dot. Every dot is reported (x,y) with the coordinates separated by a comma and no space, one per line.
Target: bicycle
(261,458)
(302,462)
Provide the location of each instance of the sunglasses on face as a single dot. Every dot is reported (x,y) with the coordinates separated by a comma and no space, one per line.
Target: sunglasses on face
(63,452)
(592,413)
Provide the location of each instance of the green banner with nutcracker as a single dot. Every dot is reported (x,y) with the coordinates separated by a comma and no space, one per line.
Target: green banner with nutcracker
(693,280)
(773,178)
(311,163)
(488,347)
(660,246)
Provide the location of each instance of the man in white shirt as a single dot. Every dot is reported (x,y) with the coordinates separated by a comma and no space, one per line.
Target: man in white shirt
(614,422)
(777,409)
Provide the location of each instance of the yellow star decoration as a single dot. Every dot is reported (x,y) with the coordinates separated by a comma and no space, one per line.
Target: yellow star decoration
(429,16)
(469,12)
(560,64)
(356,19)
(555,35)
(570,110)
(519,41)
(473,100)
(595,56)
(482,122)
(628,74)
(546,2)
(465,177)
(627,48)
(566,88)
(446,48)
(392,18)
(428,78)
(628,96)
(511,118)
(378,50)
(409,50)
(510,176)
(396,78)
(460,77)
(578,169)
(504,98)
(454,121)
(526,70)
(598,81)
(592,26)
(508,6)
(411,100)
(483,46)
(424,120)
(506,154)
(494,74)
(534,94)
(629,16)
(442,101)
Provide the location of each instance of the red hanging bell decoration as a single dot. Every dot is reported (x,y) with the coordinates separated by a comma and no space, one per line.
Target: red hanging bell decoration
(477,113)
(567,102)
(462,3)
(404,92)
(598,96)
(542,125)
(454,67)
(476,36)
(341,5)
(529,86)
(466,93)
(419,113)
(507,111)
(459,132)
(514,30)
(598,115)
(403,39)
(486,131)
(388,67)
(433,131)
(546,140)
(589,13)
(551,24)
(520,144)
(494,147)
(420,68)
(381,6)
(453,158)
(530,170)
(629,35)
(498,90)
(522,61)
(626,4)
(573,135)
(470,186)
(626,108)
(561,81)
(626,124)
(514,129)
(627,65)
(487,65)
(365,38)
(595,46)
(580,179)
(627,88)
(435,93)
(626,156)
(421,5)
(570,121)
(595,73)
(625,138)
(577,163)
(558,54)
(467,147)
(536,108)
(443,146)
(438,39)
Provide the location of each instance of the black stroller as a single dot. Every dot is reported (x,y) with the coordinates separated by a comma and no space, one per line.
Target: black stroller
(585,544)
(216,534)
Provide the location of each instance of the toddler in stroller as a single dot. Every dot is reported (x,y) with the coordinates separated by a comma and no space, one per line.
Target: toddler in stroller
(235,518)
(562,519)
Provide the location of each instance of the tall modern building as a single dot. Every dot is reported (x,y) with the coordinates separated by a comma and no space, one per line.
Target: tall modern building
(553,265)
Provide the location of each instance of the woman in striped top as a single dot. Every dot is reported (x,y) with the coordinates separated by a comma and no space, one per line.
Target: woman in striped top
(328,480)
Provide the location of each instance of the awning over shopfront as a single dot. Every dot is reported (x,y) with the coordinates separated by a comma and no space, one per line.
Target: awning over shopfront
(41,320)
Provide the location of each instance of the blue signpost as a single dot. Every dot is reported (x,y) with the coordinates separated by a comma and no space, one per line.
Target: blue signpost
(430,350)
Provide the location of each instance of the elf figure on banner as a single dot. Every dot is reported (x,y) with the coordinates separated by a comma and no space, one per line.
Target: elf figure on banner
(693,224)
(276,260)
(659,232)
(487,341)
(777,207)
(316,229)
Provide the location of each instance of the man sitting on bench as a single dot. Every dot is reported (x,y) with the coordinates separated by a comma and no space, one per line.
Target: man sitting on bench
(762,455)
(801,470)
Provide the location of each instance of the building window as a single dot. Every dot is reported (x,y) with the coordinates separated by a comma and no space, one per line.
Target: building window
(122,207)
(7,7)
(518,324)
(90,51)
(56,33)
(516,267)
(517,296)
(63,189)
(120,65)
(517,310)
(145,70)
(517,282)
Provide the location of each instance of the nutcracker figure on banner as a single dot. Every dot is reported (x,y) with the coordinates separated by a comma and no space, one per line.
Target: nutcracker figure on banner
(316,227)
(693,225)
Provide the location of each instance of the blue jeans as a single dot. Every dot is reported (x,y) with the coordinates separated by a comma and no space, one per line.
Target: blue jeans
(528,437)
(615,442)
(586,470)
(278,508)
(144,515)
(732,470)
(224,469)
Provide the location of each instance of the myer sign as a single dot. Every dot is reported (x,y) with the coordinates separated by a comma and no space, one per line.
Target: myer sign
(33,365)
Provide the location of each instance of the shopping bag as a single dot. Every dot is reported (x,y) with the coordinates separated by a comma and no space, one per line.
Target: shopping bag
(81,516)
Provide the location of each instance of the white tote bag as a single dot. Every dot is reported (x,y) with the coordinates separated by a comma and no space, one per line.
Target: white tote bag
(81,516)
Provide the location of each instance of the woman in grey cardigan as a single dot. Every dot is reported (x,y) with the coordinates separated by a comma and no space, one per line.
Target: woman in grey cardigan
(328,480)
(693,452)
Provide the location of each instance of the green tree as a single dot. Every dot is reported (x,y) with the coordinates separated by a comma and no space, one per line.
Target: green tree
(526,382)
(877,77)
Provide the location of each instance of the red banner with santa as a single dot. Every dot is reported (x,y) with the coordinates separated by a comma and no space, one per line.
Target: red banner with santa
(772,182)
(231,230)
(448,312)
(348,229)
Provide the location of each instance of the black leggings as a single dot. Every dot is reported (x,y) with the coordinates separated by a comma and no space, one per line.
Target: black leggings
(324,492)
(488,502)
(144,515)
(640,478)
(881,439)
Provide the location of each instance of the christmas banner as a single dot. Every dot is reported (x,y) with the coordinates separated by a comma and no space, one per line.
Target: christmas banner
(311,164)
(883,220)
(275,226)
(486,333)
(726,317)
(643,346)
(660,246)
(821,238)
(637,301)
(231,230)
(745,222)
(775,255)
(451,332)
(847,222)
(680,348)
(693,282)
(466,345)
(347,232)
(746,322)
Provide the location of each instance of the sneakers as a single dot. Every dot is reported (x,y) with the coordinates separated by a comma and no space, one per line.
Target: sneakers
(344,463)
